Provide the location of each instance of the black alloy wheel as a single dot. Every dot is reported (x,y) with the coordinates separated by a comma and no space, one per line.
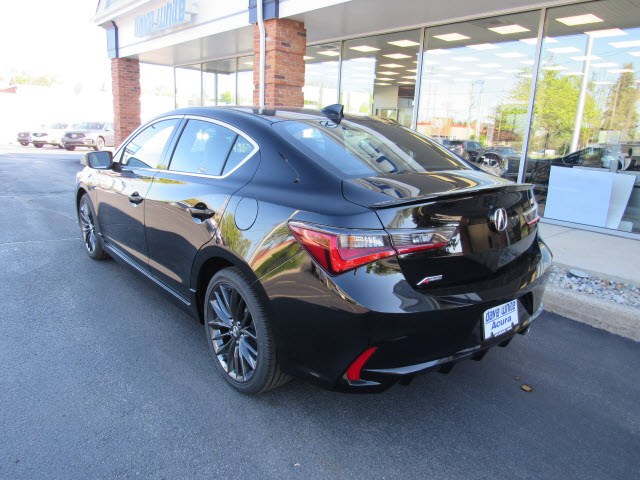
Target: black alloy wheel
(239,335)
(70,148)
(90,237)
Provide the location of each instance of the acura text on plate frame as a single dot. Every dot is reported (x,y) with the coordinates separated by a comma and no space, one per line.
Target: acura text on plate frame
(500,319)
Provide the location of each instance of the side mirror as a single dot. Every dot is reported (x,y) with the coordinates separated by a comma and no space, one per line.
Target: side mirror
(99,160)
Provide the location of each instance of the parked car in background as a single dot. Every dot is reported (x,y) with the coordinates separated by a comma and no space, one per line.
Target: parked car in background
(467,149)
(599,156)
(347,250)
(24,138)
(96,135)
(504,157)
(50,135)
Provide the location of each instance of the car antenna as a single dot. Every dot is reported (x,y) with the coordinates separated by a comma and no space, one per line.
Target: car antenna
(334,113)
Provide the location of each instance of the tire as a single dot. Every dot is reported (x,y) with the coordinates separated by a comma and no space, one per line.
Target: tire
(236,325)
(61,147)
(38,145)
(90,238)
(99,144)
(24,144)
(494,162)
(71,148)
(466,156)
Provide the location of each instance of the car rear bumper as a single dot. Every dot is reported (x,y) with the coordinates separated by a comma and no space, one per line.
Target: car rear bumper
(375,378)
(323,324)
(79,143)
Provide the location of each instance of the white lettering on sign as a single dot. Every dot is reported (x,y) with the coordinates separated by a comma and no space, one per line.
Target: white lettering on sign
(168,15)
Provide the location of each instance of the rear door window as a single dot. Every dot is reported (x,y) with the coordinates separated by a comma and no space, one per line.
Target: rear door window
(241,150)
(203,148)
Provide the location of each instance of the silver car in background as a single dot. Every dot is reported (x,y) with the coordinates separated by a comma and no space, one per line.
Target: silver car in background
(96,135)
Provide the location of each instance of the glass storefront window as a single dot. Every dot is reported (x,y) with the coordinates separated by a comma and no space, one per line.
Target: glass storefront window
(584,148)
(475,85)
(188,86)
(245,80)
(379,75)
(157,90)
(321,75)
(219,82)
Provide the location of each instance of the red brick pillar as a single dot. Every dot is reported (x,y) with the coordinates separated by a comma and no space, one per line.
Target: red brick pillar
(286,44)
(125,83)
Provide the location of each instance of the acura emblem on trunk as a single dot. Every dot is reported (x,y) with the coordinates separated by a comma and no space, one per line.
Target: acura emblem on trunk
(498,219)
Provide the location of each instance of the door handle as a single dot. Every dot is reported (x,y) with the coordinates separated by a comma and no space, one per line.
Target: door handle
(201,213)
(135,198)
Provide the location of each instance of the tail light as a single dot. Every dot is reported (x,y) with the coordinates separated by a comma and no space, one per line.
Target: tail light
(531,216)
(340,250)
(413,241)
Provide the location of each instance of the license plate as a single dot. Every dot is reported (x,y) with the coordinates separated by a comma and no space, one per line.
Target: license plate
(500,319)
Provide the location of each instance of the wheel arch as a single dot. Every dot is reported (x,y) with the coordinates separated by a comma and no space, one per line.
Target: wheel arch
(79,193)
(209,261)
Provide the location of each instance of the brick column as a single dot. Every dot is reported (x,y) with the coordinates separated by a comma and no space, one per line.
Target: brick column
(286,44)
(125,78)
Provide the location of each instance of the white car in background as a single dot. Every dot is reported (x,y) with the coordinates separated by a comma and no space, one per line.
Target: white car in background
(50,135)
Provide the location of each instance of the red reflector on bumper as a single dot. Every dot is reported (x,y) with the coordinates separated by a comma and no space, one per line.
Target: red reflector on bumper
(353,372)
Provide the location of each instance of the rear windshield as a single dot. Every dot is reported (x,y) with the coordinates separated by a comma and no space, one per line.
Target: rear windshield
(368,147)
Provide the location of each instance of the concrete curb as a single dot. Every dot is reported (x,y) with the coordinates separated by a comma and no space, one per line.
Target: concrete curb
(597,312)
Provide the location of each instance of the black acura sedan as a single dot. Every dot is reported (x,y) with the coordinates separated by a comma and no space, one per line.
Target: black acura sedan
(346,250)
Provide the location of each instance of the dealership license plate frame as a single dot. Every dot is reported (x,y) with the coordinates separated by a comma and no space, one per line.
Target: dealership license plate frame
(500,319)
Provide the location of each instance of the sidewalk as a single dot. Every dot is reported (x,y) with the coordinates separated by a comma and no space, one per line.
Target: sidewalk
(601,256)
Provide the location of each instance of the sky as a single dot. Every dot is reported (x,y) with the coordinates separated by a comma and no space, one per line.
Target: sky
(53,38)
(47,37)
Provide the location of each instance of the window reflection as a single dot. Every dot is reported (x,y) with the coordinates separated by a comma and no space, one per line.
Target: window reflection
(321,75)
(475,86)
(379,75)
(219,82)
(245,80)
(188,86)
(157,90)
(584,150)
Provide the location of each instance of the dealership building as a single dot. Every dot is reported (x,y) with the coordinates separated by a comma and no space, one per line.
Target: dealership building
(540,92)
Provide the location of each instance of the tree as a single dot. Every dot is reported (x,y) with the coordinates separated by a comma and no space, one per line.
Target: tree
(555,109)
(26,78)
(622,100)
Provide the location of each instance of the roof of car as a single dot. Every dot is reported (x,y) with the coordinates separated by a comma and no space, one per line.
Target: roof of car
(271,116)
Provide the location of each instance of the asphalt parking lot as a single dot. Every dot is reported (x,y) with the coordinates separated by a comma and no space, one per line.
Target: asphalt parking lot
(101,376)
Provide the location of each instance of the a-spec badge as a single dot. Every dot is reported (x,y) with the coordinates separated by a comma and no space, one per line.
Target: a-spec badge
(498,219)
(427,280)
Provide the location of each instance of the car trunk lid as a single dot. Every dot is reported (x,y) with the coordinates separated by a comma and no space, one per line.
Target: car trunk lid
(464,204)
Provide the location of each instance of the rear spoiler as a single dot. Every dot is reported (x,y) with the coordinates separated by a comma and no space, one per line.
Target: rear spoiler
(452,194)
